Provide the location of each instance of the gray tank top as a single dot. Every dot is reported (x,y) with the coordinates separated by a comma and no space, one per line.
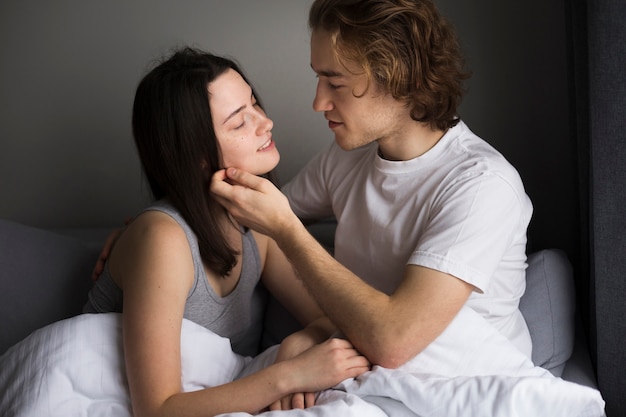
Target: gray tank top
(238,316)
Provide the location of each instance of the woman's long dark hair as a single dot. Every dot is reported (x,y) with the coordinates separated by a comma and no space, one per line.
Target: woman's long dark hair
(177,146)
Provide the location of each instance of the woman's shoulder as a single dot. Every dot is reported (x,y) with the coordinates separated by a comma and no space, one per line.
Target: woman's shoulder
(151,235)
(155,224)
(150,247)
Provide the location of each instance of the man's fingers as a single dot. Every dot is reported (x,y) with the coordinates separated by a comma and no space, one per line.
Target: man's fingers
(97,270)
(244,178)
(224,192)
(104,254)
(219,186)
(225,185)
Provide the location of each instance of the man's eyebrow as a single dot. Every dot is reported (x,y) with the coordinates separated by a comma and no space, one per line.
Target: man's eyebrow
(327,73)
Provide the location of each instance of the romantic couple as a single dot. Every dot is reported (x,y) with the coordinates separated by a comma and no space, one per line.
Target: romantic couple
(431,219)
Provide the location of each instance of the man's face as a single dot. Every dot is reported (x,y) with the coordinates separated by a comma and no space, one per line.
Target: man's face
(355,118)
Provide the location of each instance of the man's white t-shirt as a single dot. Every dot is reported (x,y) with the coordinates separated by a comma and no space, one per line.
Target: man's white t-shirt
(460,208)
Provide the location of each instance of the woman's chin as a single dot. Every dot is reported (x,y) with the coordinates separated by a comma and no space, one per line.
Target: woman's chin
(269,165)
(259,165)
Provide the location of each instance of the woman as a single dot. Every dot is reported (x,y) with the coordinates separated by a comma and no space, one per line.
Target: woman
(185,257)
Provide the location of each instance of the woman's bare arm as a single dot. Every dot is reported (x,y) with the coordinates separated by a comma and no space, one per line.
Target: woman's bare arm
(152,263)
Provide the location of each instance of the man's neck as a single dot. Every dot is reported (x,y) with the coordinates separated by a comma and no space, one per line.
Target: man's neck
(409,143)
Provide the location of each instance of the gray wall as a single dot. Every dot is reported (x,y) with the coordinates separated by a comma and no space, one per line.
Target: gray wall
(68,73)
(69,68)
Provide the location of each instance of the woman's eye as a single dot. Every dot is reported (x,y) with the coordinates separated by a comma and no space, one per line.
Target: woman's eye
(333,86)
(240,126)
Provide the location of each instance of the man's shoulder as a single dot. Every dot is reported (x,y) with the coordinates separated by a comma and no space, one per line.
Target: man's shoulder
(479,154)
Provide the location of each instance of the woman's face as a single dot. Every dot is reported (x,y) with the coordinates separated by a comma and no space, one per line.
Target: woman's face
(243,130)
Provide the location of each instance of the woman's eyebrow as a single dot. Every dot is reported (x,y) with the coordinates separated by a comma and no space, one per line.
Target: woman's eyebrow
(233,114)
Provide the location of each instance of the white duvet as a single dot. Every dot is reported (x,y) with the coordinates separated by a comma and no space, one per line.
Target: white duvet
(75,367)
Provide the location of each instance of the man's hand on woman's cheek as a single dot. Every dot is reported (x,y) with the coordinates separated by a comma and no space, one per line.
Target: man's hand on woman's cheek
(254,201)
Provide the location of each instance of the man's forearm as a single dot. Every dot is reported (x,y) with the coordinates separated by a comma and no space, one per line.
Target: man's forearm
(356,308)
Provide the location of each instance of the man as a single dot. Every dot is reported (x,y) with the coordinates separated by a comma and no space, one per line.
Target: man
(431,219)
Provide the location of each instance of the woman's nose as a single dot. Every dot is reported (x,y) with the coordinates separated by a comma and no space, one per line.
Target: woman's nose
(265,124)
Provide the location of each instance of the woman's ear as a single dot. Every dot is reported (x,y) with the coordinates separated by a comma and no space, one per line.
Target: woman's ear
(204,169)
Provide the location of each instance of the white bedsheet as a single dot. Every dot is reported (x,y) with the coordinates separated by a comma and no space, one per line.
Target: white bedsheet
(75,367)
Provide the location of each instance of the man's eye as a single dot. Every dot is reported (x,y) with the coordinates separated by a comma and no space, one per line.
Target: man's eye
(333,86)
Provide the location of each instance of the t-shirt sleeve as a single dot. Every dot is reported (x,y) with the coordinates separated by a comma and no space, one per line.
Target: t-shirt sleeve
(472,223)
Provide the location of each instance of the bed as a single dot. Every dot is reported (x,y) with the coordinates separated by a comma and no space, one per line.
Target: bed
(57,362)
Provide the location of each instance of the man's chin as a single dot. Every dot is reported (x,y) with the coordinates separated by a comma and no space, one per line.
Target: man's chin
(348,145)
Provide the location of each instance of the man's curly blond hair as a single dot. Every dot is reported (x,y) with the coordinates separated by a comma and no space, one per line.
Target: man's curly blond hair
(405,46)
